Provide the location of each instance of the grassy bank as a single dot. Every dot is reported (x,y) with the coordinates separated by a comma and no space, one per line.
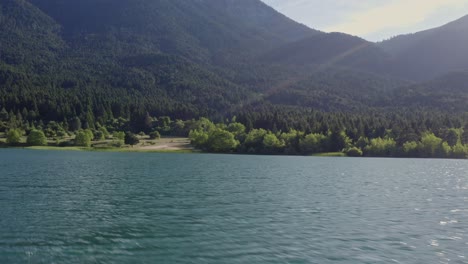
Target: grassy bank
(125,149)
(146,145)
(330,154)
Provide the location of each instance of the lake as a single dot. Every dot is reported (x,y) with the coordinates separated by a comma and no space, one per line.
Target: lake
(88,207)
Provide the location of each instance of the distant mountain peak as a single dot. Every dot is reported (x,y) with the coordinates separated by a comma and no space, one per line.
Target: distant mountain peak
(430,53)
(459,24)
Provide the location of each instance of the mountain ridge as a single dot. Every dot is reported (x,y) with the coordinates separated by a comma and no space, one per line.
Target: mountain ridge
(430,53)
(184,59)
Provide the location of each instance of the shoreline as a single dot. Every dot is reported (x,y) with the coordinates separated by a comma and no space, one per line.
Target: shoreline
(162,145)
(116,150)
(195,151)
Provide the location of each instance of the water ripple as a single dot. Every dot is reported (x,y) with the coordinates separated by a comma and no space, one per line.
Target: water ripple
(78,207)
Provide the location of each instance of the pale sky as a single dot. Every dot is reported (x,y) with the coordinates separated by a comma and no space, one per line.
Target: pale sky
(374,20)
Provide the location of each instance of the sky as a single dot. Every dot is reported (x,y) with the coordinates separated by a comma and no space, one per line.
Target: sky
(373,20)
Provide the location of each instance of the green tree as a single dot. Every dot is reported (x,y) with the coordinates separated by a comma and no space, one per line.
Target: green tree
(237,129)
(254,140)
(338,140)
(313,143)
(36,138)
(362,142)
(221,141)
(451,137)
(131,139)
(381,147)
(165,121)
(354,152)
(50,133)
(4,115)
(90,134)
(464,136)
(445,151)
(179,128)
(460,151)
(411,149)
(271,143)
(98,135)
(13,137)
(119,135)
(431,145)
(75,124)
(291,140)
(83,139)
(203,124)
(155,135)
(3,126)
(147,122)
(198,138)
(104,132)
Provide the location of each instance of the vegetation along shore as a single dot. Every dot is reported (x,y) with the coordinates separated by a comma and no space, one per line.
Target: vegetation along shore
(232,136)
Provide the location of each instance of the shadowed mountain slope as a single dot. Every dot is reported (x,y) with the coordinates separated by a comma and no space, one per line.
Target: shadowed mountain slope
(428,54)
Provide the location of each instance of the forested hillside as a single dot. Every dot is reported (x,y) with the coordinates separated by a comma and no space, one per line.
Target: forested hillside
(331,50)
(447,93)
(67,65)
(157,56)
(431,53)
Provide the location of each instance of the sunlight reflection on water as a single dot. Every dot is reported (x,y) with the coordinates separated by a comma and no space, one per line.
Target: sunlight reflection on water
(79,207)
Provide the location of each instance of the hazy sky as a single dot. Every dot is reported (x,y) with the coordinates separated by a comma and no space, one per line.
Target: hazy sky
(372,19)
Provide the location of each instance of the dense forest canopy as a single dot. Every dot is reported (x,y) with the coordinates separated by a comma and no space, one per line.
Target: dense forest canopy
(71,65)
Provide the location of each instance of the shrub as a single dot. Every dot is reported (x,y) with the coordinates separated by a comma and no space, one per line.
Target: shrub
(83,139)
(354,152)
(155,135)
(460,151)
(131,139)
(381,147)
(37,138)
(313,143)
(13,137)
(119,135)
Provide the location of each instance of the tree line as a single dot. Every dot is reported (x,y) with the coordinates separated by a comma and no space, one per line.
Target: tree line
(234,138)
(261,130)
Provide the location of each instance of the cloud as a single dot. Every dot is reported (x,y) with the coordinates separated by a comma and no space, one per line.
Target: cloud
(319,13)
(395,14)
(281,4)
(372,19)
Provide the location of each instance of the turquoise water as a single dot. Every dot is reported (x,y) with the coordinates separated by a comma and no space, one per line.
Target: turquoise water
(84,207)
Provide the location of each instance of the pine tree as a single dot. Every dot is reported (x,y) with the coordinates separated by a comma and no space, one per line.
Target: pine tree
(464,137)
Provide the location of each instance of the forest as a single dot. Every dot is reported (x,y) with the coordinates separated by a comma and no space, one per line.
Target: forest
(73,73)
(254,132)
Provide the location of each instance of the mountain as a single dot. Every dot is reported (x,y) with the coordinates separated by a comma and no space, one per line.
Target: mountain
(202,30)
(431,53)
(447,93)
(28,36)
(173,57)
(331,50)
(415,57)
(100,60)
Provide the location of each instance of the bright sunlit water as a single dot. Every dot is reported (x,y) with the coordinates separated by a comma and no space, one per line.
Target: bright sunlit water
(84,207)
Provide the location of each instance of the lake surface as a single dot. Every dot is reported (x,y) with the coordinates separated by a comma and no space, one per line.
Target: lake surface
(85,207)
